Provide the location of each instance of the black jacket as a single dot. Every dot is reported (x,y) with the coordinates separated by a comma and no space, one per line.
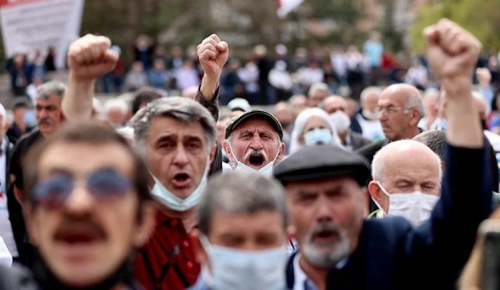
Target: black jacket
(358,141)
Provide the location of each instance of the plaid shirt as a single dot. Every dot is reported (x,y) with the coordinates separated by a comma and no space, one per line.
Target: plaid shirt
(167,261)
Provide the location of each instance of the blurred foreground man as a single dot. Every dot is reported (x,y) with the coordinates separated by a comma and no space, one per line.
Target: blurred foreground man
(87,207)
(340,249)
(242,239)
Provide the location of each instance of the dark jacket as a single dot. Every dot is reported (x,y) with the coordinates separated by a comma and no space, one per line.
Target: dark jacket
(391,254)
(358,141)
(213,107)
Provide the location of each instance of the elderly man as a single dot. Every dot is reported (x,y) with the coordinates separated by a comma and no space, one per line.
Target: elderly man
(340,249)
(49,117)
(406,181)
(317,93)
(87,207)
(254,142)
(431,110)
(368,117)
(400,109)
(242,240)
(116,112)
(178,139)
(336,107)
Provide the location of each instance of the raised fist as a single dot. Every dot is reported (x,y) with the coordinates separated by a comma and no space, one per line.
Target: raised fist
(213,54)
(90,57)
(452,51)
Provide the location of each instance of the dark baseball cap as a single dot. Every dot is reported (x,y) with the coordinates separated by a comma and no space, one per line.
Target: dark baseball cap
(254,114)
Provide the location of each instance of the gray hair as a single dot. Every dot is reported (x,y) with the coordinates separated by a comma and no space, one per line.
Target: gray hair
(51,88)
(368,91)
(318,87)
(241,192)
(178,108)
(379,160)
(414,101)
(435,140)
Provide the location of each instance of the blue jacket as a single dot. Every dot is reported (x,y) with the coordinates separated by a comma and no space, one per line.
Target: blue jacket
(391,254)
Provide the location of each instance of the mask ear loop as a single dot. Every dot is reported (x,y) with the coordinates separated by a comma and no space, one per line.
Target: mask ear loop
(385,192)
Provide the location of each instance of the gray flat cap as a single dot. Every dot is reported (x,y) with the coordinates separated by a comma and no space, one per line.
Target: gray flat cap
(322,162)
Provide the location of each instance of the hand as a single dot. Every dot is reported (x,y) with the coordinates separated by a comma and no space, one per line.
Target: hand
(90,57)
(452,52)
(483,76)
(213,54)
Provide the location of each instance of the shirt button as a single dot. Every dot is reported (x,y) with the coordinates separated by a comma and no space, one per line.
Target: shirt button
(186,244)
(190,264)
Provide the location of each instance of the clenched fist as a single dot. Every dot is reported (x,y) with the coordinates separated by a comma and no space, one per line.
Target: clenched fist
(452,51)
(213,54)
(90,57)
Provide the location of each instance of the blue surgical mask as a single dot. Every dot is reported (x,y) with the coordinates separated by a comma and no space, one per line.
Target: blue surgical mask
(173,202)
(318,137)
(244,270)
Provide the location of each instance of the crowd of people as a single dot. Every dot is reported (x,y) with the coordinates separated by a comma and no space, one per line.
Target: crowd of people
(159,192)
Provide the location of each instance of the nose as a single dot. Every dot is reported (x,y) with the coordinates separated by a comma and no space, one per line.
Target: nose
(256,143)
(42,113)
(324,212)
(180,158)
(382,116)
(79,202)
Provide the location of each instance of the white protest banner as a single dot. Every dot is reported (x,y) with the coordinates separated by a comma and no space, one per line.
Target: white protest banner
(30,25)
(287,6)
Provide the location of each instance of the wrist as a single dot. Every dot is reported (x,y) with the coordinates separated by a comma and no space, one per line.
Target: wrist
(209,85)
(74,80)
(457,87)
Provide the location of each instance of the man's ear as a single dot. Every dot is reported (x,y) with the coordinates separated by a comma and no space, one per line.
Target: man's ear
(227,149)
(281,151)
(415,117)
(375,192)
(199,251)
(146,224)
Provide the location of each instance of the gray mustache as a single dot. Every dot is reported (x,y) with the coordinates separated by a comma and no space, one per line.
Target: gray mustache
(45,121)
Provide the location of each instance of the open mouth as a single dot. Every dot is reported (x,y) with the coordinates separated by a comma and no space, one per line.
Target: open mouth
(256,160)
(181,180)
(325,236)
(78,237)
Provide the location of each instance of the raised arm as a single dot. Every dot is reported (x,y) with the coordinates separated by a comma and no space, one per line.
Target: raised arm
(89,58)
(445,241)
(213,54)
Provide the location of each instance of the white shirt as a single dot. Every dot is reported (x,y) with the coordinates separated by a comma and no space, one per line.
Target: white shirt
(300,276)
(371,129)
(5,256)
(5,226)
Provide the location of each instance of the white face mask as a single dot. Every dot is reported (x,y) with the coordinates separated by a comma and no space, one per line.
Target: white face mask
(373,116)
(244,270)
(341,120)
(415,207)
(173,202)
(266,170)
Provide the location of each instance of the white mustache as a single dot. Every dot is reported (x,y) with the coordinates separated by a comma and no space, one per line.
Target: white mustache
(253,152)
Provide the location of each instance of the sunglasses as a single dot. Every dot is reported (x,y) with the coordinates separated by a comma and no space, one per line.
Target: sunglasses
(104,185)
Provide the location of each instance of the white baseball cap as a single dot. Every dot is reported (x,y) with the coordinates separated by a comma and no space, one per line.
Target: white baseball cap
(240,104)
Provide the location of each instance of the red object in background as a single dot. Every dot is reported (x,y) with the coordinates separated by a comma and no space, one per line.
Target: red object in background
(388,61)
(10,3)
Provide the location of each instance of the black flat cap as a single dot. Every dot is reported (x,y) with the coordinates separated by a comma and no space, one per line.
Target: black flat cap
(321,162)
(233,123)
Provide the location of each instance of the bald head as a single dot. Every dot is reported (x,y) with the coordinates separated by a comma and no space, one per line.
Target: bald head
(333,104)
(408,160)
(400,111)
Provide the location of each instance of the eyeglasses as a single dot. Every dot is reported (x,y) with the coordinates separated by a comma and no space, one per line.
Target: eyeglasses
(392,110)
(104,185)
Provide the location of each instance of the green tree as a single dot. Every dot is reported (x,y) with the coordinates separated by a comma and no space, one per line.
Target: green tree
(480,17)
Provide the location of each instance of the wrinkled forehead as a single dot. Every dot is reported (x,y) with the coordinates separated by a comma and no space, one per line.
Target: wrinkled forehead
(414,166)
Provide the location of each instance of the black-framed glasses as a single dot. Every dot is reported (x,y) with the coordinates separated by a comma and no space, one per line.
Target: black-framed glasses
(104,184)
